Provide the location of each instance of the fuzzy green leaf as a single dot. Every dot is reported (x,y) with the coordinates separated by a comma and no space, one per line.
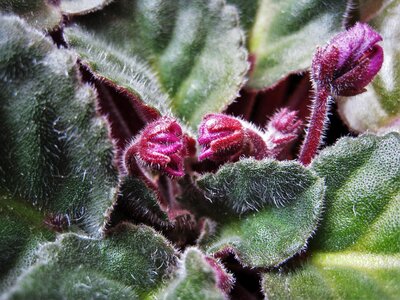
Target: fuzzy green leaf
(38,13)
(356,249)
(338,276)
(196,279)
(81,7)
(379,108)
(196,48)
(362,198)
(124,70)
(282,202)
(247,11)
(22,228)
(55,149)
(126,265)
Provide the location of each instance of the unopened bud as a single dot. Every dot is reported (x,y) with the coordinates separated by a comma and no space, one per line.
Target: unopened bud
(160,146)
(281,130)
(349,62)
(225,138)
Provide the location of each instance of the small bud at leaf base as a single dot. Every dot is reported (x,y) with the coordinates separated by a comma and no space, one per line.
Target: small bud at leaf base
(281,130)
(349,62)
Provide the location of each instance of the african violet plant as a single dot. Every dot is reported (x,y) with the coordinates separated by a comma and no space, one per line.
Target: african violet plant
(155,149)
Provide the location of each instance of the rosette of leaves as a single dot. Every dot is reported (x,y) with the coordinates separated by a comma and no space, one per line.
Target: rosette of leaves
(81,79)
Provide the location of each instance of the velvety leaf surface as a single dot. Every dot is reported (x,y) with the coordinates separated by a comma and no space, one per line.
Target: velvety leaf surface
(271,209)
(362,198)
(128,264)
(38,13)
(124,70)
(81,7)
(338,276)
(247,12)
(286,33)
(22,227)
(55,150)
(196,279)
(355,253)
(379,107)
(196,48)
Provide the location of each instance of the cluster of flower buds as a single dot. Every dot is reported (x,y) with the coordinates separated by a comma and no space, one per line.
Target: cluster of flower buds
(161,146)
(343,67)
(225,138)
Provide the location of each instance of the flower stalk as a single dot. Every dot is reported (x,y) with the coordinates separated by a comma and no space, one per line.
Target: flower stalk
(343,67)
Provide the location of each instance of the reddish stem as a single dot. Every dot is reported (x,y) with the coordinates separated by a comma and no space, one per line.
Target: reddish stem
(319,113)
(133,168)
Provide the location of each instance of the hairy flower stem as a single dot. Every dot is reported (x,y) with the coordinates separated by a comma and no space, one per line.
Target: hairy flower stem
(167,187)
(344,67)
(136,170)
(318,120)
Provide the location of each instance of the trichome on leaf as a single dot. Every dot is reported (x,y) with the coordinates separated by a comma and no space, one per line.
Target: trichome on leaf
(107,191)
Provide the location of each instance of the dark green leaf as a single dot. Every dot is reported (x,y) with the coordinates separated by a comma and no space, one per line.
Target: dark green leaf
(22,228)
(38,13)
(362,198)
(55,149)
(196,47)
(196,279)
(137,203)
(122,69)
(282,202)
(126,265)
(355,253)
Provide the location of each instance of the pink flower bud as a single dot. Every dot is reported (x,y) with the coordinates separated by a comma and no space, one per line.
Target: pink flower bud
(224,138)
(349,61)
(281,130)
(161,146)
(221,137)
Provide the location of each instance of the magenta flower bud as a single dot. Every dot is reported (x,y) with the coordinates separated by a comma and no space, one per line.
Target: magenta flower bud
(221,137)
(344,67)
(349,62)
(161,146)
(224,138)
(281,130)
